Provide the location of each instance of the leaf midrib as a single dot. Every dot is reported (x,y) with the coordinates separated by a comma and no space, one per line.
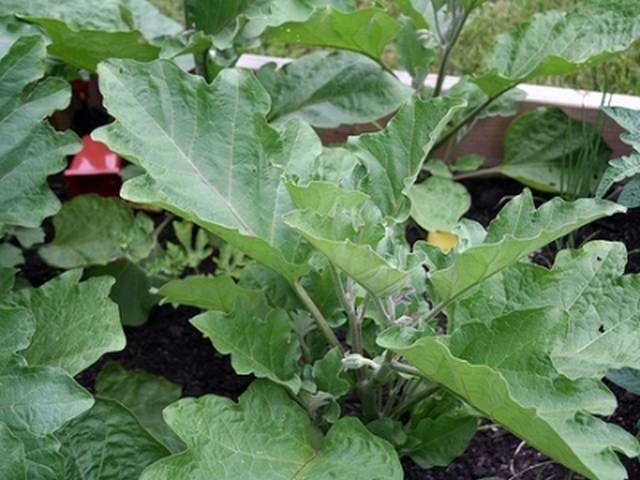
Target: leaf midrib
(230,208)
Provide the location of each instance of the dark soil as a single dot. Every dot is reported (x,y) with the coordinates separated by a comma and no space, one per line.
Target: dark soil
(167,345)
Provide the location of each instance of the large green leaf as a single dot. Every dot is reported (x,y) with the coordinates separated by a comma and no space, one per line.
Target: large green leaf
(514,383)
(625,167)
(518,230)
(558,43)
(630,121)
(207,293)
(43,458)
(11,29)
(33,400)
(92,230)
(31,150)
(438,441)
(346,247)
(85,33)
(589,284)
(75,322)
(260,340)
(16,329)
(216,144)
(630,194)
(437,204)
(367,30)
(350,89)
(238,24)
(131,291)
(39,400)
(542,149)
(268,436)
(394,157)
(145,395)
(150,21)
(14,463)
(107,443)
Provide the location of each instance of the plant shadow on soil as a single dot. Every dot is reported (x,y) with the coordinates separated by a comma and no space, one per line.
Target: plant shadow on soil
(167,345)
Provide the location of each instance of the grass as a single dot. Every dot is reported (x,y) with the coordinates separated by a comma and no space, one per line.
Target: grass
(620,75)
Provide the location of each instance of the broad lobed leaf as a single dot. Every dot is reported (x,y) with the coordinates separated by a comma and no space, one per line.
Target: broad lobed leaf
(85,33)
(31,150)
(558,43)
(259,338)
(394,157)
(366,30)
(602,306)
(107,443)
(329,89)
(515,384)
(145,395)
(91,230)
(518,230)
(267,436)
(75,322)
(208,154)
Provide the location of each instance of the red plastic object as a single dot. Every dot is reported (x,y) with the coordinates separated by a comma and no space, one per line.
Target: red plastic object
(95,169)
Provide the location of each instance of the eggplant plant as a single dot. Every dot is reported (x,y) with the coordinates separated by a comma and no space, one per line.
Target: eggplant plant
(365,347)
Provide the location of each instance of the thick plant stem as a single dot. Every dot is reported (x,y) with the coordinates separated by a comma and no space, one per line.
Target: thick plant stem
(354,321)
(321,322)
(411,402)
(404,368)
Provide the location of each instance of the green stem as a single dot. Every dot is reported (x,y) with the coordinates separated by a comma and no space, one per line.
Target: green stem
(354,323)
(470,117)
(411,402)
(485,172)
(442,72)
(404,368)
(393,396)
(321,322)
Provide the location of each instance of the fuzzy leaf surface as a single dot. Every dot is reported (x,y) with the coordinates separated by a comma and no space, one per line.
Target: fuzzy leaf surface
(107,443)
(208,154)
(367,30)
(39,400)
(519,229)
(259,339)
(92,230)
(559,43)
(267,436)
(207,293)
(85,33)
(437,204)
(393,157)
(590,285)
(514,383)
(31,150)
(75,322)
(145,395)
(349,249)
(329,89)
